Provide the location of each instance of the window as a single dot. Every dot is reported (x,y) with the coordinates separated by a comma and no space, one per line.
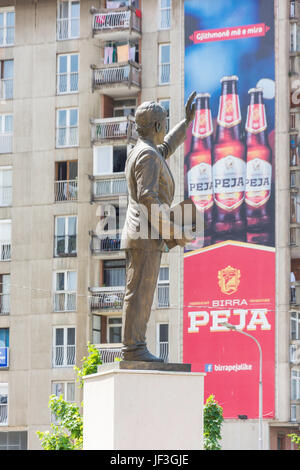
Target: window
(64,347)
(164,64)
(124,107)
(68,21)
(65,236)
(5,240)
(64,389)
(4,294)
(295,326)
(165,14)
(65,291)
(163,288)
(166,105)
(96,329)
(13,440)
(5,186)
(295,209)
(109,159)
(294,151)
(4,347)
(293,413)
(6,133)
(162,341)
(7,27)
(3,404)
(67,127)
(7,79)
(67,73)
(114,329)
(66,183)
(295,38)
(114,273)
(295,384)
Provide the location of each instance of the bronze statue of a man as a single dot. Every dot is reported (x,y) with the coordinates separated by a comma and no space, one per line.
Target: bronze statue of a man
(150,185)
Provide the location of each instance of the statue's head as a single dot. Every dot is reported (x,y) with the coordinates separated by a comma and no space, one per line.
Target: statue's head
(150,119)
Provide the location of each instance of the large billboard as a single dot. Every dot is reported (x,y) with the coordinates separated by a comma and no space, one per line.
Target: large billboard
(229,271)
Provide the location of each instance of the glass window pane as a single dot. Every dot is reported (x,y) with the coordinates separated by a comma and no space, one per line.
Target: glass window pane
(73,117)
(8,69)
(164,333)
(115,334)
(165,54)
(75,10)
(70,392)
(62,117)
(59,336)
(63,10)
(72,281)
(8,123)
(1,19)
(63,64)
(58,389)
(60,281)
(71,336)
(74,63)
(60,226)
(73,170)
(72,222)
(10,18)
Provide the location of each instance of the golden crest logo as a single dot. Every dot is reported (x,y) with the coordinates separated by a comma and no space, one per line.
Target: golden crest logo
(229,280)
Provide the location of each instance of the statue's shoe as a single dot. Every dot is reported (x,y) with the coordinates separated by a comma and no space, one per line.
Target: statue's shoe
(140,355)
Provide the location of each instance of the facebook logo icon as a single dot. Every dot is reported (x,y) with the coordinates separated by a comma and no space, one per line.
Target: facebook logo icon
(208,367)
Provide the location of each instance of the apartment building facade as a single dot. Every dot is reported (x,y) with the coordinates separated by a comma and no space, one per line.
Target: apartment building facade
(72,74)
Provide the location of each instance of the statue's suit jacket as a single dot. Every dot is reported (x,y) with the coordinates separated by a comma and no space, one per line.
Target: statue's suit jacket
(150,182)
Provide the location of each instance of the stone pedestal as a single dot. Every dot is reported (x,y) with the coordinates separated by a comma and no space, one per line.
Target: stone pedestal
(140,406)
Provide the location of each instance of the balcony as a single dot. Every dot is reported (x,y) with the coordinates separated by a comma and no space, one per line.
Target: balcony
(108,186)
(116,24)
(114,129)
(107,298)
(117,78)
(109,244)
(63,356)
(109,354)
(66,190)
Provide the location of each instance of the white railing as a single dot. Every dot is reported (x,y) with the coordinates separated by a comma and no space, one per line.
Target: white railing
(107,298)
(113,74)
(6,142)
(67,28)
(162,350)
(4,304)
(164,74)
(67,136)
(118,19)
(110,354)
(63,356)
(113,128)
(5,250)
(6,88)
(66,190)
(3,414)
(109,187)
(5,195)
(64,302)
(163,296)
(104,245)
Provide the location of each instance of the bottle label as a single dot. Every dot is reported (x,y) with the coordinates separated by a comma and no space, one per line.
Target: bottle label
(202,126)
(258,182)
(256,119)
(229,182)
(200,185)
(229,111)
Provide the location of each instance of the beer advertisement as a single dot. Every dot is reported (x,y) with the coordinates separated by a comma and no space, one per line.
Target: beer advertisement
(229,168)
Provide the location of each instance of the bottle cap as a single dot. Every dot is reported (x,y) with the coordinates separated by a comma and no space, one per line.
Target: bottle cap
(255,90)
(232,77)
(202,95)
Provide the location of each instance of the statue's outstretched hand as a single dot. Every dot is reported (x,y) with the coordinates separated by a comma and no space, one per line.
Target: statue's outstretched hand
(190,108)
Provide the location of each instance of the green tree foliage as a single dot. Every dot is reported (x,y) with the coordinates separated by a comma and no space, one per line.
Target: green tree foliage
(213,419)
(295,439)
(67,433)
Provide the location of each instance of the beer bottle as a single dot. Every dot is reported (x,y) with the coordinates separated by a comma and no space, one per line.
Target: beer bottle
(259,170)
(229,167)
(198,161)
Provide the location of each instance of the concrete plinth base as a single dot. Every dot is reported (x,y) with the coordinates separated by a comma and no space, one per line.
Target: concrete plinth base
(142,408)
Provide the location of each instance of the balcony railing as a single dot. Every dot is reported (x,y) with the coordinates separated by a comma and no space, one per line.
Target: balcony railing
(127,73)
(113,129)
(5,249)
(163,296)
(107,298)
(65,245)
(105,187)
(6,88)
(63,356)
(110,354)
(162,350)
(66,190)
(105,245)
(3,414)
(119,19)
(4,304)
(64,302)
(6,142)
